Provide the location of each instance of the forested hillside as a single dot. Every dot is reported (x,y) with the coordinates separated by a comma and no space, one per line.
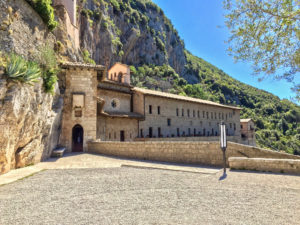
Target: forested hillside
(136,32)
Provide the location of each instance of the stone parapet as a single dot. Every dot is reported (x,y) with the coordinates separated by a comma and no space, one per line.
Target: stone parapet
(207,153)
(265,165)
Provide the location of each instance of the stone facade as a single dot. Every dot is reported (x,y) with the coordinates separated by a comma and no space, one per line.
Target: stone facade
(248,132)
(97,108)
(176,118)
(80,80)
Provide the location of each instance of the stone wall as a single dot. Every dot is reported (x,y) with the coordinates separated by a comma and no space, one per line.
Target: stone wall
(80,81)
(109,128)
(187,121)
(122,100)
(235,139)
(265,165)
(207,153)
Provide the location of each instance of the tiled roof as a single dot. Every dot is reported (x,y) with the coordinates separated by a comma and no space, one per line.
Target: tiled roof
(245,120)
(180,97)
(81,65)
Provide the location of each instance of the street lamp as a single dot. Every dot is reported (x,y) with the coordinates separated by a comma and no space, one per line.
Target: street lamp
(223,142)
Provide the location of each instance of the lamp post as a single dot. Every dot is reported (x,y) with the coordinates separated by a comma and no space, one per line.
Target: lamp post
(223,142)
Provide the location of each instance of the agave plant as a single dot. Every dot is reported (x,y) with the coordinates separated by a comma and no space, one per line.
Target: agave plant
(20,69)
(33,73)
(16,67)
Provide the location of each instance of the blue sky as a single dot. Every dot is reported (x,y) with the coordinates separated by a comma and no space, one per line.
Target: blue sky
(198,24)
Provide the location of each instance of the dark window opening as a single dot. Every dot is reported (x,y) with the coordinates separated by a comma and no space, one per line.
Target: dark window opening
(150,132)
(177,112)
(195,132)
(189,131)
(150,109)
(142,133)
(178,132)
(158,110)
(169,122)
(122,135)
(182,112)
(188,113)
(159,132)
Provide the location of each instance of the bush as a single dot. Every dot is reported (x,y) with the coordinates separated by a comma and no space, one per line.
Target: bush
(50,78)
(86,57)
(46,12)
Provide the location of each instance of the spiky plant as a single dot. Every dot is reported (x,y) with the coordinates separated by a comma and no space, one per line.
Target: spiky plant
(21,70)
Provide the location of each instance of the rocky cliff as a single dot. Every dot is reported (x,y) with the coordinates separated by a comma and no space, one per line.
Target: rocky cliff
(133,32)
(29,117)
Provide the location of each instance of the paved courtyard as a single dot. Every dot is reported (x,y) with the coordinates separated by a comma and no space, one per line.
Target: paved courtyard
(133,194)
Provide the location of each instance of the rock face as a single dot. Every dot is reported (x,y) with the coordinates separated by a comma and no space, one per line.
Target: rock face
(29,123)
(29,118)
(133,36)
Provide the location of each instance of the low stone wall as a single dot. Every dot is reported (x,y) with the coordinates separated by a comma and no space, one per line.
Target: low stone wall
(266,165)
(207,153)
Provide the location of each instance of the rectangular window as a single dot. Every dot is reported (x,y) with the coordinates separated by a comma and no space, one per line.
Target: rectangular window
(169,122)
(158,110)
(198,114)
(207,115)
(142,133)
(178,132)
(150,132)
(188,113)
(234,126)
(182,112)
(177,112)
(159,132)
(194,114)
(150,109)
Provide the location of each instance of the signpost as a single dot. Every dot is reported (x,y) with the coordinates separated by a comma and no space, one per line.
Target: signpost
(223,142)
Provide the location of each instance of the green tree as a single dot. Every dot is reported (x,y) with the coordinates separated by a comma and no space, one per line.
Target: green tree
(265,33)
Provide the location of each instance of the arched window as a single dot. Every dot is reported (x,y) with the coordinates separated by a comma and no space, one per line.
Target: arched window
(120,75)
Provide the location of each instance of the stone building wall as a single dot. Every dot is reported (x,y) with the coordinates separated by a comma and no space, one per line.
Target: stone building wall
(108,129)
(80,81)
(122,100)
(235,139)
(188,122)
(208,153)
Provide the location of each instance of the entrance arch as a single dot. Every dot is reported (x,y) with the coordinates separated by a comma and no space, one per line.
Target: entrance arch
(77,138)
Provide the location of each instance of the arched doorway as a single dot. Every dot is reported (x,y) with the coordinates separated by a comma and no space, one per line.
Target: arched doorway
(77,138)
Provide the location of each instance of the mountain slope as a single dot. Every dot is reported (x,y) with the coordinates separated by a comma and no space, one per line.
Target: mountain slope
(136,32)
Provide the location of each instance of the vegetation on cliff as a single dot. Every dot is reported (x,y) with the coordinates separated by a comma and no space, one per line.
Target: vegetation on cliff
(45,10)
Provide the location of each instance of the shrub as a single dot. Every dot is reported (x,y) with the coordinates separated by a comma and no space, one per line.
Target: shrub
(50,78)
(46,12)
(86,57)
(21,70)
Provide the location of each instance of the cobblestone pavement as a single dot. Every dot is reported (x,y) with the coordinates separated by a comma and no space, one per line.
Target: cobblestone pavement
(124,195)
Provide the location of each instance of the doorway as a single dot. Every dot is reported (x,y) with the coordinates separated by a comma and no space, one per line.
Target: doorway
(77,138)
(122,135)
